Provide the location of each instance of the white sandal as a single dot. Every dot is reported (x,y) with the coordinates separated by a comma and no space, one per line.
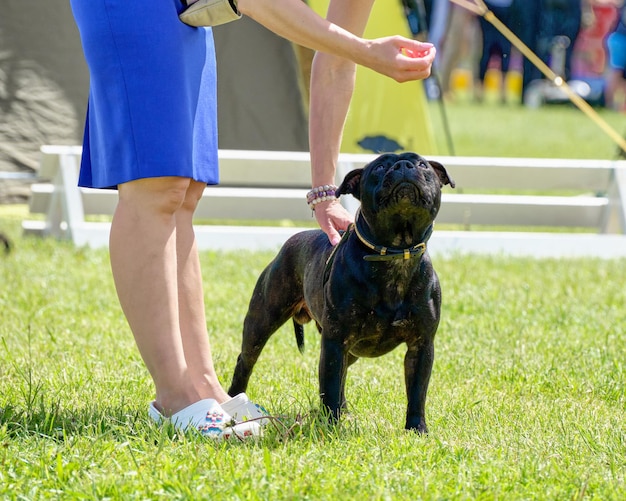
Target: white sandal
(209,418)
(242,409)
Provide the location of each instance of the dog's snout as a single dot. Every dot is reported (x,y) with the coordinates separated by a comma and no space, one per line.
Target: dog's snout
(404,164)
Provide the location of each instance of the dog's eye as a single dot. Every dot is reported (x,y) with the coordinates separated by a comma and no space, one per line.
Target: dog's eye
(379,167)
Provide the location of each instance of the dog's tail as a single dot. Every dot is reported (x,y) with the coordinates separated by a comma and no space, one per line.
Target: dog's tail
(299,330)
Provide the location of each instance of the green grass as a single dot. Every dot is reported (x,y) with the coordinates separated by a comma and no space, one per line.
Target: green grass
(527,396)
(515,131)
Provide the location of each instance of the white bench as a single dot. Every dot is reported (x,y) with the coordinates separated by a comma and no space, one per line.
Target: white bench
(254,186)
(579,193)
(266,185)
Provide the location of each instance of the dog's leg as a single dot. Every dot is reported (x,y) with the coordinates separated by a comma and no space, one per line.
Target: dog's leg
(332,374)
(257,329)
(243,369)
(349,361)
(418,364)
(275,300)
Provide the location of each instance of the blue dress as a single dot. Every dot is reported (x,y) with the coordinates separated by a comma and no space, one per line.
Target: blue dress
(152,102)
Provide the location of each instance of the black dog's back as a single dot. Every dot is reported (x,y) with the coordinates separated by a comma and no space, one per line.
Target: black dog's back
(278,296)
(309,252)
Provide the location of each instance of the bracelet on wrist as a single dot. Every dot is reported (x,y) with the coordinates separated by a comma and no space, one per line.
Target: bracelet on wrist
(320,194)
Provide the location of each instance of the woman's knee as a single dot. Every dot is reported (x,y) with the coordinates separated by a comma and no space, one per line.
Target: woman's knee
(192,196)
(161,194)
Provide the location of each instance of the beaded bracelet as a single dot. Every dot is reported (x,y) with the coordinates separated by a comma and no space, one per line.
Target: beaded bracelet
(320,194)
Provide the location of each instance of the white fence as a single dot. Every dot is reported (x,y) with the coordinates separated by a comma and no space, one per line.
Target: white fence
(267,185)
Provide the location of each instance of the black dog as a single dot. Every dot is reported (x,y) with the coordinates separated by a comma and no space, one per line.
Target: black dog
(375,290)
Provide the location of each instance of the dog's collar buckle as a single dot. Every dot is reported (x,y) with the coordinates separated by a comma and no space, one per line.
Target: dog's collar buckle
(387,254)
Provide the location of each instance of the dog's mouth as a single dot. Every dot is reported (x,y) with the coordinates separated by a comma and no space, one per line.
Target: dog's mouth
(405,192)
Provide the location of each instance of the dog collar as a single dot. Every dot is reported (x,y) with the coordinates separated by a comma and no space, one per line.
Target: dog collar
(383,253)
(386,253)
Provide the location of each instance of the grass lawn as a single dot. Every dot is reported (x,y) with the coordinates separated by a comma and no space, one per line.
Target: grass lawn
(526,401)
(527,397)
(515,131)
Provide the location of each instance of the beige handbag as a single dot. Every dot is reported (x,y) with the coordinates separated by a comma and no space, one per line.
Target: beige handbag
(210,13)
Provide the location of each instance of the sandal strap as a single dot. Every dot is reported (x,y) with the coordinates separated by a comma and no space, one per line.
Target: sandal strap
(242,409)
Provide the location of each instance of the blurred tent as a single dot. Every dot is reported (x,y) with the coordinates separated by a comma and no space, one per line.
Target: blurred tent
(43,80)
(262,87)
(44,84)
(259,88)
(383,112)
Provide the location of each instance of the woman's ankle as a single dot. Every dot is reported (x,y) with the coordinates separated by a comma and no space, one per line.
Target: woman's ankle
(169,403)
(210,387)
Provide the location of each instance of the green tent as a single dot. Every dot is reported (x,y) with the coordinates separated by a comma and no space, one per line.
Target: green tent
(384,111)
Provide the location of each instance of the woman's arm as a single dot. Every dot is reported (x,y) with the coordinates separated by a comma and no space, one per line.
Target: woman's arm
(332,86)
(339,45)
(295,21)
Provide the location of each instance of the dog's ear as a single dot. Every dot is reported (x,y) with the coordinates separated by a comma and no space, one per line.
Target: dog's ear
(351,184)
(441,172)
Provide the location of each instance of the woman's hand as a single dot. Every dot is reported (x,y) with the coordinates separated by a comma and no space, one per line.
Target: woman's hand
(333,217)
(400,58)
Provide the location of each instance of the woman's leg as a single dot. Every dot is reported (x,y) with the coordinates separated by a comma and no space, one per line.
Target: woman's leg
(191,306)
(143,247)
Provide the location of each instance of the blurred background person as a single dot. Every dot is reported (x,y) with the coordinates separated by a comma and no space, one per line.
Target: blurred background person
(525,18)
(557,18)
(494,44)
(456,34)
(615,90)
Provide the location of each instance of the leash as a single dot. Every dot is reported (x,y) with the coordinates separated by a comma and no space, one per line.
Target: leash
(331,258)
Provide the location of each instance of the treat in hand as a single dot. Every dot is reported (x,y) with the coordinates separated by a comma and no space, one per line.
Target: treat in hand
(412,53)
